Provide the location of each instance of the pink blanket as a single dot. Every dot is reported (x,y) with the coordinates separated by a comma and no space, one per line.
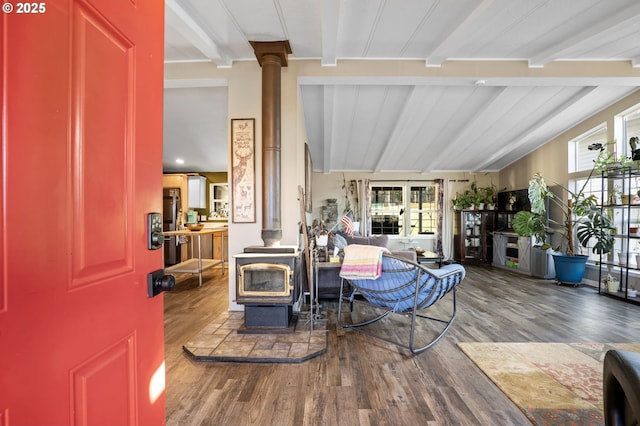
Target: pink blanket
(362,262)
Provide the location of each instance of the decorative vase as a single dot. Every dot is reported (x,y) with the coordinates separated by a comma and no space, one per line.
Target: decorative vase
(632,293)
(569,269)
(322,240)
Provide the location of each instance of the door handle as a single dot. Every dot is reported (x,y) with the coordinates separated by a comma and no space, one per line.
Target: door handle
(157,282)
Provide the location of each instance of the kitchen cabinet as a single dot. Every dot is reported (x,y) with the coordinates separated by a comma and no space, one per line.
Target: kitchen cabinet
(472,236)
(197,192)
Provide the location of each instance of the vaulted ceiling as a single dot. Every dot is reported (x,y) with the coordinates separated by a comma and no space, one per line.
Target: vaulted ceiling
(437,122)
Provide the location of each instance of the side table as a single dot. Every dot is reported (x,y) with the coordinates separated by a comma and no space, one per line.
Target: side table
(314,303)
(430,257)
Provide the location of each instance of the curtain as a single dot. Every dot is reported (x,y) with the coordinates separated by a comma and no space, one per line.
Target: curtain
(437,244)
(365,206)
(447,232)
(450,189)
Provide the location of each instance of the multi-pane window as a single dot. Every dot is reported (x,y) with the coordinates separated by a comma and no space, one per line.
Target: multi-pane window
(404,210)
(583,151)
(423,211)
(593,187)
(387,208)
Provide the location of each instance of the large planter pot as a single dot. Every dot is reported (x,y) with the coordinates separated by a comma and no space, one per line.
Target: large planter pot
(569,269)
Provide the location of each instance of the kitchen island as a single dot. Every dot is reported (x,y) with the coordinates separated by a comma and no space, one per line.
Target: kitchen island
(196,265)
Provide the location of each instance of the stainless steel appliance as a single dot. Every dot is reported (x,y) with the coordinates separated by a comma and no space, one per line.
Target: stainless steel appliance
(171,210)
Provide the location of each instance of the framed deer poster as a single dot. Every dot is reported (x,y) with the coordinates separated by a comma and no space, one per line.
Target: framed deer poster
(243,176)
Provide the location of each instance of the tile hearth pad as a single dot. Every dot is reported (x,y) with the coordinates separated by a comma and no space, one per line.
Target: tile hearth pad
(220,341)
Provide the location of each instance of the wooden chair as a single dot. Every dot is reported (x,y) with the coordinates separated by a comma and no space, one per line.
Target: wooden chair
(406,288)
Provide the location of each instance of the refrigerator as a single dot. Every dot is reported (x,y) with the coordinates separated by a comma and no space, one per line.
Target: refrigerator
(171,210)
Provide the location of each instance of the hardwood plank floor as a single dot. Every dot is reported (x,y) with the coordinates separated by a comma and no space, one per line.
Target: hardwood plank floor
(361,380)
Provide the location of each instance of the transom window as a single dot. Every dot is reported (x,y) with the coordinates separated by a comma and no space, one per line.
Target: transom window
(583,149)
(627,126)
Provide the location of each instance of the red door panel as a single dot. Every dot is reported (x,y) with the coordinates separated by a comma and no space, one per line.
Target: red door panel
(81,168)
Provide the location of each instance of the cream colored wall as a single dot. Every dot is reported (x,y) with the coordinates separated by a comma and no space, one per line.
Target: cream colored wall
(551,159)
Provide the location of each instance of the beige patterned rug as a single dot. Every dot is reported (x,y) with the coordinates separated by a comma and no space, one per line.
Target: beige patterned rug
(552,383)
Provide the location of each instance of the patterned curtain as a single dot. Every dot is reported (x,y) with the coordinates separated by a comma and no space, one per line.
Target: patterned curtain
(365,196)
(437,244)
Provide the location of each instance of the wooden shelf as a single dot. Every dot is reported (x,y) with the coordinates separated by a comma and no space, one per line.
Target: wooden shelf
(191,266)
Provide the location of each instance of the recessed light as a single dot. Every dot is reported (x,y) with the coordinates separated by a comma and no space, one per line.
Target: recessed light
(179,161)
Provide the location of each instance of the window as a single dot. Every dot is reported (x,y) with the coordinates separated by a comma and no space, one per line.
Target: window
(387,207)
(629,126)
(594,187)
(581,158)
(423,210)
(405,209)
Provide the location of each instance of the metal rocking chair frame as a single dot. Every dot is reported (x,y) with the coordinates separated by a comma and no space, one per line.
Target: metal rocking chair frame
(405,287)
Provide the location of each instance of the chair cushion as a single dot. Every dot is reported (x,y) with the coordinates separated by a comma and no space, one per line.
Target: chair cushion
(396,288)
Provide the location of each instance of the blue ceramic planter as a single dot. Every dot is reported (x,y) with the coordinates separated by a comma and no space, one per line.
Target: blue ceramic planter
(570,269)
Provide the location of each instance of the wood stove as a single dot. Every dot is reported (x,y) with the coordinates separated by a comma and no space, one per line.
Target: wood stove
(268,285)
(268,277)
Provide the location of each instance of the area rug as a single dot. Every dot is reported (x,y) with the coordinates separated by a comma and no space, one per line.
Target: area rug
(552,383)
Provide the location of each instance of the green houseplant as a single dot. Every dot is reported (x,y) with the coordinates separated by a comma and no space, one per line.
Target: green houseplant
(582,219)
(475,197)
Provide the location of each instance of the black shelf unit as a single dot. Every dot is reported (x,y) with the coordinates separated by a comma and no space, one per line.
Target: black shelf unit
(619,264)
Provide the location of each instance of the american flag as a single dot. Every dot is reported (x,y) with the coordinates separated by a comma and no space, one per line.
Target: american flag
(347,221)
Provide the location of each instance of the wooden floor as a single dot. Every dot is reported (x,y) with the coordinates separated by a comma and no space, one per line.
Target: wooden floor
(365,381)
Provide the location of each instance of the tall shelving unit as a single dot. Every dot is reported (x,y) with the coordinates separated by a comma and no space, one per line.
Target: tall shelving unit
(621,264)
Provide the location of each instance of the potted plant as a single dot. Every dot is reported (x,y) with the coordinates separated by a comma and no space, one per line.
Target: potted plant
(607,160)
(634,143)
(583,219)
(613,285)
(475,197)
(462,201)
(490,196)
(319,231)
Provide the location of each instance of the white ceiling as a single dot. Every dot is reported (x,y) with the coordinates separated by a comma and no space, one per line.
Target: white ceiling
(418,124)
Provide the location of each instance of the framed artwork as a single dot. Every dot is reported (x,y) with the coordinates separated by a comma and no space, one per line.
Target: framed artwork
(308,169)
(243,170)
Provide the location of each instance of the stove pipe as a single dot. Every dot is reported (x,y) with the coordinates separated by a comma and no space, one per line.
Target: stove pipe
(272,56)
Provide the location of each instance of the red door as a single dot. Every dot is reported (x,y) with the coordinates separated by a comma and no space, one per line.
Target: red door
(80,341)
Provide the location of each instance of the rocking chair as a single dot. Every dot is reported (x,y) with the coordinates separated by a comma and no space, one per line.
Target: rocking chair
(405,287)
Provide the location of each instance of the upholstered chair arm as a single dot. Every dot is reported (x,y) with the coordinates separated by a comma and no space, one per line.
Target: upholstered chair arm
(621,388)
